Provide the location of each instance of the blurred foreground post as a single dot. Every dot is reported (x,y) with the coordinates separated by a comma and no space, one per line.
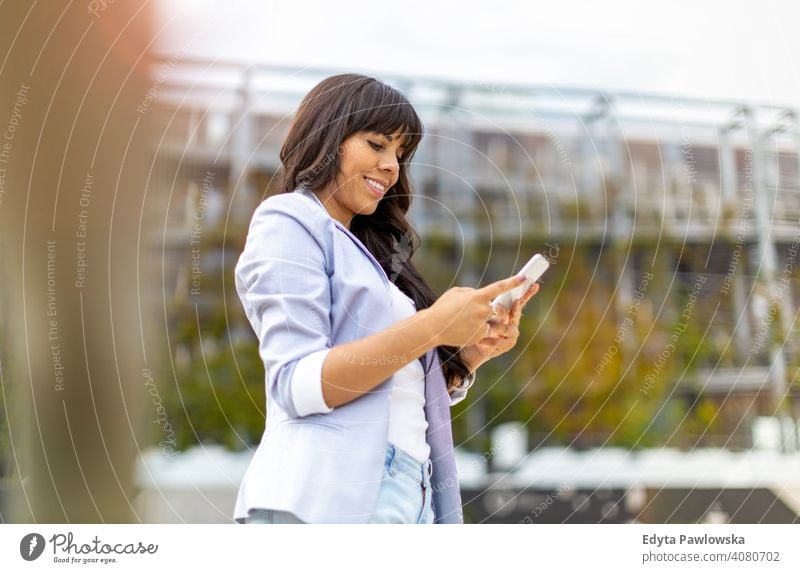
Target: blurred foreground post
(73,164)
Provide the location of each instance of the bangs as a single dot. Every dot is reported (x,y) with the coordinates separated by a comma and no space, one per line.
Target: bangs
(383,109)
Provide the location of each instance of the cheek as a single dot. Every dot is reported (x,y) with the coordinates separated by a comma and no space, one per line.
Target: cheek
(348,160)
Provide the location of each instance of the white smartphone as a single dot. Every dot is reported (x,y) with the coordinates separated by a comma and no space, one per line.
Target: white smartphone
(533,269)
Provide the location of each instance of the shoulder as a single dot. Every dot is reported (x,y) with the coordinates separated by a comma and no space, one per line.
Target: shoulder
(292,213)
(295,205)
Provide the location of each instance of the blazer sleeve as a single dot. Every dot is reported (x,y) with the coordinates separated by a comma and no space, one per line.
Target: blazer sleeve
(284,286)
(461,392)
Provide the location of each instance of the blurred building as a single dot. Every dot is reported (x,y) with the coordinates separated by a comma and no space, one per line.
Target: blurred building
(703,193)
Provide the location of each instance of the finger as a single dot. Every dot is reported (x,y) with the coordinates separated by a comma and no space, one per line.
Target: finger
(496,289)
(530,292)
(491,344)
(501,314)
(526,297)
(506,329)
(496,330)
(501,332)
(516,310)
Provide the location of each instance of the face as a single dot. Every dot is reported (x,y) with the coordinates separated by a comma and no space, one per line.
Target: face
(368,168)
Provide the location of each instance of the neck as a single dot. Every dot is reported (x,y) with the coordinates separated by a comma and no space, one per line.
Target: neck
(331,205)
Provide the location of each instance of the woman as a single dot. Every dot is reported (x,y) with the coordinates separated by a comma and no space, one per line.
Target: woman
(362,360)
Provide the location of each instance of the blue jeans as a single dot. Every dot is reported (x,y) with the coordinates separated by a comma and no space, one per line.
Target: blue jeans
(404,495)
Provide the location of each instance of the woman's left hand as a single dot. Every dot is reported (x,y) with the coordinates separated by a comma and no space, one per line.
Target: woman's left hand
(503,332)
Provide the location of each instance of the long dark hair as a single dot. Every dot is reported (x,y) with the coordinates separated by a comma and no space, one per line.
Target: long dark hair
(333,110)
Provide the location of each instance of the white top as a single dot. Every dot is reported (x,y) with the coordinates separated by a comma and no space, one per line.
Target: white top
(407,423)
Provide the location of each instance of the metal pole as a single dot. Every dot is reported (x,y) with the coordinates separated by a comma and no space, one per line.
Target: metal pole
(763,206)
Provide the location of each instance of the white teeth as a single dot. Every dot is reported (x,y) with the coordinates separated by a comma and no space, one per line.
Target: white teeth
(375,184)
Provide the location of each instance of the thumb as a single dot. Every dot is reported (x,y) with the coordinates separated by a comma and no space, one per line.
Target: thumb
(496,289)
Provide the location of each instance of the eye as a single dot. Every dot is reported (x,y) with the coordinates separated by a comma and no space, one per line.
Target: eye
(380,147)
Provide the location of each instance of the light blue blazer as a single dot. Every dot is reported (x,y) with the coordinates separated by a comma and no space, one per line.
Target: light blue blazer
(307,284)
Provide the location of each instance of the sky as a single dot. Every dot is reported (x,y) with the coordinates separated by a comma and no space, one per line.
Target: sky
(700,48)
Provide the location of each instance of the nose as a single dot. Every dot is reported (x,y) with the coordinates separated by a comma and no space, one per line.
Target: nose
(390,167)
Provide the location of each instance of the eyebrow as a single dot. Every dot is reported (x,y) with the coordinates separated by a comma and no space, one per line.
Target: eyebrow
(390,138)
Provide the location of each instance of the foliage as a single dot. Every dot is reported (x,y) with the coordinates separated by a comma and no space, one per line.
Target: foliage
(580,376)
(217,390)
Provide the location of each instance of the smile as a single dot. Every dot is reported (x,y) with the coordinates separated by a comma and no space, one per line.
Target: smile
(376,187)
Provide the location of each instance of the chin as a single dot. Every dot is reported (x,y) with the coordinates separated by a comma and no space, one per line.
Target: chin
(369,208)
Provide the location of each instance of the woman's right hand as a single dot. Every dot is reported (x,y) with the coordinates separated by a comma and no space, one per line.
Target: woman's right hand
(460,315)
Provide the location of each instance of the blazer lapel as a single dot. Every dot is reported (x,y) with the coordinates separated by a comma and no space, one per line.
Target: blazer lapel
(444,480)
(362,246)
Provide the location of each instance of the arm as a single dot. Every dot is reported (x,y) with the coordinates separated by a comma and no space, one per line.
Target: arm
(357,367)
(418,329)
